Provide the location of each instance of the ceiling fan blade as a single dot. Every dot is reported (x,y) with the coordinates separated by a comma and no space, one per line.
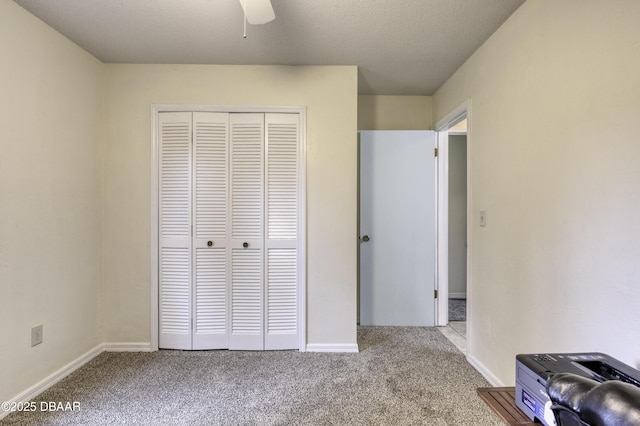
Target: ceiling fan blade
(258,11)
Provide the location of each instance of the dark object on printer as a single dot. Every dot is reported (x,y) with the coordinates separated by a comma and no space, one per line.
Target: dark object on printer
(578,401)
(566,392)
(534,370)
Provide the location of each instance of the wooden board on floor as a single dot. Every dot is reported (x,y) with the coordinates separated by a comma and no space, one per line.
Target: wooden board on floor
(502,402)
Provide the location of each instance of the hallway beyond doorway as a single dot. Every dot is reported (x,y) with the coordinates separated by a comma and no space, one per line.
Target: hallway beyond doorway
(456,329)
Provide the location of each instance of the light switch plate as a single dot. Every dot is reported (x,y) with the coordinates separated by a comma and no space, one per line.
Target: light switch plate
(483,218)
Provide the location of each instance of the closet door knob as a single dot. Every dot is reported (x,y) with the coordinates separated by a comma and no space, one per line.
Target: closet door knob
(209,243)
(245,244)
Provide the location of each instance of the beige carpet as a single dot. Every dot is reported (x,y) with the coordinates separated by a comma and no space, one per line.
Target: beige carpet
(401,376)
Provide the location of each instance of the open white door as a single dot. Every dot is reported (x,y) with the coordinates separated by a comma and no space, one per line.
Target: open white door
(397,228)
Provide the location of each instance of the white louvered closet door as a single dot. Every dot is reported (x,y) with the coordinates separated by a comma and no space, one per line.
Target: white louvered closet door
(210,238)
(175,230)
(229,225)
(282,228)
(246,229)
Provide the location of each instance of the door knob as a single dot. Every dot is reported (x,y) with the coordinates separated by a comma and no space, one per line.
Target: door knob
(365,238)
(209,243)
(245,244)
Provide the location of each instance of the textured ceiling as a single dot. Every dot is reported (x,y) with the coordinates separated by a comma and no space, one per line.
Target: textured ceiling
(402,47)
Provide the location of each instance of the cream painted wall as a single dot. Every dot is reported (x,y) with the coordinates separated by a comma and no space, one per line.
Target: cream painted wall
(555,101)
(330,95)
(50,200)
(394,113)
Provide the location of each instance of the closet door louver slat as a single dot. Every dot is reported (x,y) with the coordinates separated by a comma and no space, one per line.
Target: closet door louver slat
(211,138)
(174,302)
(247,292)
(247,141)
(282,180)
(210,328)
(282,292)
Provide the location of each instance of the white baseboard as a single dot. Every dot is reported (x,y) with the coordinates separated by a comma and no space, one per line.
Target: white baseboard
(54,378)
(493,380)
(60,374)
(332,347)
(127,347)
(457,295)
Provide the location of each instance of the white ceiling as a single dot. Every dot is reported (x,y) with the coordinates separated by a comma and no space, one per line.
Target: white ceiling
(402,47)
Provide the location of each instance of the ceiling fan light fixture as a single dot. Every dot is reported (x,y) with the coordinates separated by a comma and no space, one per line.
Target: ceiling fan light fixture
(258,12)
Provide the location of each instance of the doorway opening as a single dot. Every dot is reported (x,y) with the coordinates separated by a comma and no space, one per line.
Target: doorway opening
(453,225)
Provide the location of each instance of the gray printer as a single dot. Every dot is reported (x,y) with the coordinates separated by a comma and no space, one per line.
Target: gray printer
(533,371)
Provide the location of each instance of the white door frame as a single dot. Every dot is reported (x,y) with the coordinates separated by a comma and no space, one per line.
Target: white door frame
(302,175)
(442,141)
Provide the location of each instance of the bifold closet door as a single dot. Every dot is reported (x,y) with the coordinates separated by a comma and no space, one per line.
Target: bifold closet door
(282,221)
(229,230)
(209,298)
(193,230)
(174,215)
(246,228)
(265,231)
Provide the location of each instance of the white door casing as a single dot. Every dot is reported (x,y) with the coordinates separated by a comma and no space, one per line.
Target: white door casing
(461,112)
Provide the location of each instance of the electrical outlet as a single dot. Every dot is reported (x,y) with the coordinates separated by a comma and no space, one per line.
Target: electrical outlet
(36,335)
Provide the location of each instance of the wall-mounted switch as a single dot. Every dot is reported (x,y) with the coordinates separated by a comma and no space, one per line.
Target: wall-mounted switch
(483,218)
(36,335)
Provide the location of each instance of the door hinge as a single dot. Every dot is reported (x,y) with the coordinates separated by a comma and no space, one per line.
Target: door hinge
(435,152)
(435,294)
